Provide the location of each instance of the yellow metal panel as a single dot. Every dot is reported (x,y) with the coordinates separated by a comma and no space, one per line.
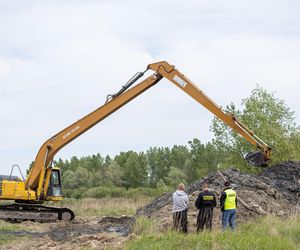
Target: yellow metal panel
(53,198)
(15,190)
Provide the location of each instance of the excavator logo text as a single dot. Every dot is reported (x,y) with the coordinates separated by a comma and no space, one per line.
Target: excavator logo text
(71,132)
(179,81)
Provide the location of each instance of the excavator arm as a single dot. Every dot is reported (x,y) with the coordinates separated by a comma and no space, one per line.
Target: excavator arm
(256,158)
(48,150)
(38,177)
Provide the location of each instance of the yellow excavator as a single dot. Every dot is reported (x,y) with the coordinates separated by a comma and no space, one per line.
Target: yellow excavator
(43,182)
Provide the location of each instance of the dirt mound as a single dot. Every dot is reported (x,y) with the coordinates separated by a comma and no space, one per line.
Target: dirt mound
(285,177)
(276,191)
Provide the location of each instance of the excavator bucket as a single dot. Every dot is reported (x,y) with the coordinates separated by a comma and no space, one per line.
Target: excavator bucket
(256,158)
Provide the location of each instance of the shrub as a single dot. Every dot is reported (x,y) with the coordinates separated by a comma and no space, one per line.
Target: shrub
(115,192)
(75,193)
(101,192)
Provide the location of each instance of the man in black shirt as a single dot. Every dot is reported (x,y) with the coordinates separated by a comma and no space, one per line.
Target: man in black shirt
(205,202)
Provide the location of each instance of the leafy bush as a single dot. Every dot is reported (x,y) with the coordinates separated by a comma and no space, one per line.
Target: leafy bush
(135,193)
(101,192)
(75,193)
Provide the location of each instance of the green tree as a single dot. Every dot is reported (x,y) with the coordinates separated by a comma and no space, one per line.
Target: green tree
(270,119)
(30,167)
(204,159)
(175,176)
(61,165)
(113,175)
(134,167)
(77,179)
(159,163)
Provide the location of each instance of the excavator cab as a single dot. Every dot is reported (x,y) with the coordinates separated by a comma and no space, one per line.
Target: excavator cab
(54,189)
(256,158)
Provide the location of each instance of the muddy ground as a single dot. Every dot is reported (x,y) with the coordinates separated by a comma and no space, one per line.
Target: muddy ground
(276,192)
(99,233)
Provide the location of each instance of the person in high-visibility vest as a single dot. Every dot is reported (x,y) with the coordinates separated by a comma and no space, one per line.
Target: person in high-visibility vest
(228,202)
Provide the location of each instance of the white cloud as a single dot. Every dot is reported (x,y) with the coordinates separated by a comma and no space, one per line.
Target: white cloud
(59,60)
(4,68)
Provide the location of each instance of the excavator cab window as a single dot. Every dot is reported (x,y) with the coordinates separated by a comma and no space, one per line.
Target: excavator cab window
(55,184)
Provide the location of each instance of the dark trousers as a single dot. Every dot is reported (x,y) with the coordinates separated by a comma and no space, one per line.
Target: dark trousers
(204,218)
(180,221)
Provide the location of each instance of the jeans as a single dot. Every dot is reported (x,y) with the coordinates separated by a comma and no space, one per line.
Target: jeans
(228,217)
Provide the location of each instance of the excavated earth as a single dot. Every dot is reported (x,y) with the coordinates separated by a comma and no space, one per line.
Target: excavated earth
(94,234)
(276,191)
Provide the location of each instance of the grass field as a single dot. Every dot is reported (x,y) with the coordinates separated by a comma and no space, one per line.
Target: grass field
(265,233)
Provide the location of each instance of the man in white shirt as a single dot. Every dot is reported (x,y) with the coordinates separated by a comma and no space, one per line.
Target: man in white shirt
(180,207)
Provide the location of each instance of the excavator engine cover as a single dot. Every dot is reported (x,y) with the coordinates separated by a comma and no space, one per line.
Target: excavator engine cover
(256,158)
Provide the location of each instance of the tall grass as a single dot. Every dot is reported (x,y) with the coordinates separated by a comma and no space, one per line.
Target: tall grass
(265,233)
(145,226)
(90,207)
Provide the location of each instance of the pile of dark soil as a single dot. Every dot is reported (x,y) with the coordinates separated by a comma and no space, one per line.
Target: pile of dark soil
(285,177)
(275,191)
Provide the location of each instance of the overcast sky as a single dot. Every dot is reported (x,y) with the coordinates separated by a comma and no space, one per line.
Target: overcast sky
(59,60)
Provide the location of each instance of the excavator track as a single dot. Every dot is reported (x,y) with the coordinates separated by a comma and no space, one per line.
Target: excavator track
(38,213)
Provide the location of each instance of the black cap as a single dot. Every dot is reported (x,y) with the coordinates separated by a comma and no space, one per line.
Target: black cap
(227,183)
